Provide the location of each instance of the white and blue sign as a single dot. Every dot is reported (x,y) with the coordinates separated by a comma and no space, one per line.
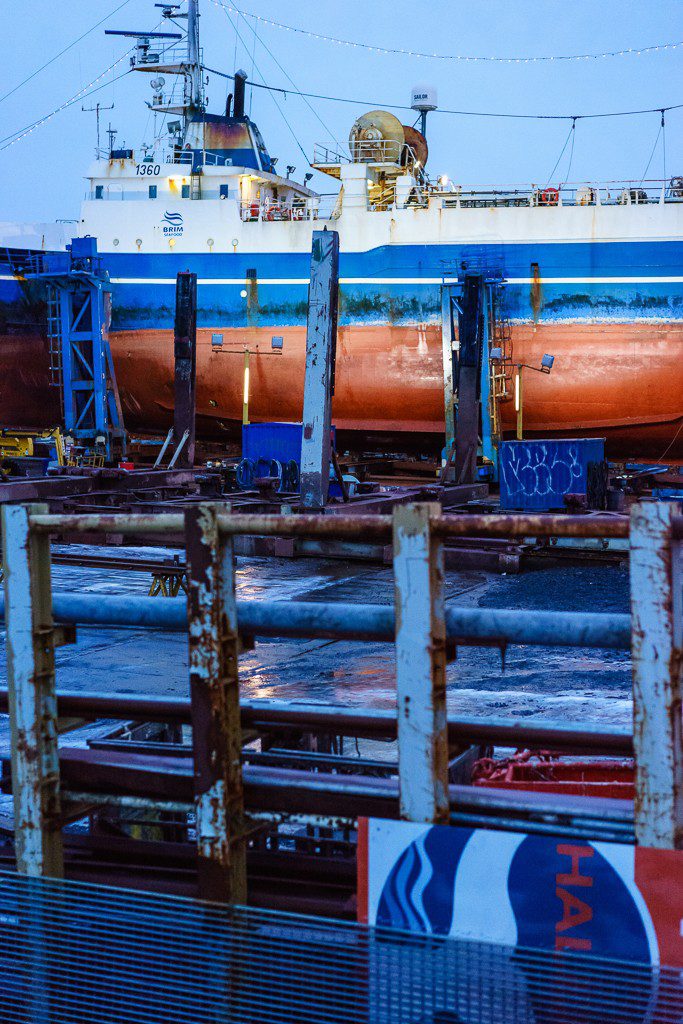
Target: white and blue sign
(522,890)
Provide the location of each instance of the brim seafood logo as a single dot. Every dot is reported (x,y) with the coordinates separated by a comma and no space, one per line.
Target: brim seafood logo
(172,223)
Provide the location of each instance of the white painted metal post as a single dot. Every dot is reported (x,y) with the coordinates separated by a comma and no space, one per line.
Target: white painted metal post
(216,723)
(321,336)
(420,664)
(32,698)
(657,644)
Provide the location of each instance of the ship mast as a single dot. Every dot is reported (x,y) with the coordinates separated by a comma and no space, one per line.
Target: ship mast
(193,55)
(158,53)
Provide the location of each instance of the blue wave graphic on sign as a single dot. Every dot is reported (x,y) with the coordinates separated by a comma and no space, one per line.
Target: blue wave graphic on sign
(420,891)
(176,219)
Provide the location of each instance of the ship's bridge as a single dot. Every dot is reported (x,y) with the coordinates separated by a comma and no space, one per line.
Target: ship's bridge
(261,195)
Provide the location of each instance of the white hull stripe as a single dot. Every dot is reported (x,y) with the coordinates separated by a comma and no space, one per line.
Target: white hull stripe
(242,282)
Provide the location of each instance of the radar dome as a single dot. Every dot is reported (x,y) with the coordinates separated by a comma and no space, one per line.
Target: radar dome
(423,98)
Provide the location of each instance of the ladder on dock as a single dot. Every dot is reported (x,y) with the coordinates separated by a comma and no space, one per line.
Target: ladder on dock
(500,371)
(54,342)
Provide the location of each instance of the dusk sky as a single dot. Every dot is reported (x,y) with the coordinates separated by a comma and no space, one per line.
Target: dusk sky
(42,175)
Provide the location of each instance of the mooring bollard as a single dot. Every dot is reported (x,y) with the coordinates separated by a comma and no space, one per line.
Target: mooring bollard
(214,692)
(657,648)
(420,664)
(32,698)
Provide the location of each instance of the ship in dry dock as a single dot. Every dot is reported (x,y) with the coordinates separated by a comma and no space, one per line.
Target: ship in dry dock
(590,273)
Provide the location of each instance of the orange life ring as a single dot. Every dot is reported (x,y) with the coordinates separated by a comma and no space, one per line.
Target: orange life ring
(549,197)
(272,213)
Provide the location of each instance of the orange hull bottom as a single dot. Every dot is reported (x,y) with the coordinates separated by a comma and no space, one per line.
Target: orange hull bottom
(620,381)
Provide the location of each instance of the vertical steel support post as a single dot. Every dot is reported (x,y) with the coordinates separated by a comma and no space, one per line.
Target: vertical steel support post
(447,340)
(657,644)
(185,352)
(470,331)
(321,340)
(420,664)
(32,697)
(519,401)
(489,441)
(214,692)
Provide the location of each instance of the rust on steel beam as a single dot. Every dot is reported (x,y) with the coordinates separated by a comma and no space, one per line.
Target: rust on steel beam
(214,695)
(185,353)
(420,664)
(657,652)
(347,526)
(32,697)
(379,724)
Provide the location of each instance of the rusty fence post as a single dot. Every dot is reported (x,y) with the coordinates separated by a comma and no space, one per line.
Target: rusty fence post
(32,697)
(657,641)
(214,692)
(420,664)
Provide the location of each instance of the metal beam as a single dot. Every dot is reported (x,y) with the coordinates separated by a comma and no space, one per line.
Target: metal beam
(470,332)
(656,610)
(321,339)
(420,664)
(447,343)
(373,723)
(343,525)
(216,723)
(185,352)
(32,699)
(477,626)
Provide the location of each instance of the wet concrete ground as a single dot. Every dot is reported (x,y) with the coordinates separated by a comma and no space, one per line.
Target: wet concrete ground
(550,683)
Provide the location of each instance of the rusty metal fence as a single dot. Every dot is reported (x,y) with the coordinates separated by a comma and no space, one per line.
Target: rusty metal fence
(423,629)
(73,952)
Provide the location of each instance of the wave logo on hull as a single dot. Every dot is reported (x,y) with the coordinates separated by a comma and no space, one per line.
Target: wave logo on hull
(172,223)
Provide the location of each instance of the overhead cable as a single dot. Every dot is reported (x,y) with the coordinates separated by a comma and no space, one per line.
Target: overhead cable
(291,82)
(636,51)
(62,52)
(444,110)
(279,108)
(87,90)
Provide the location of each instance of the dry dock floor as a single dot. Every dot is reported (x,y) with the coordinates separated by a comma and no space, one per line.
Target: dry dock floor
(550,683)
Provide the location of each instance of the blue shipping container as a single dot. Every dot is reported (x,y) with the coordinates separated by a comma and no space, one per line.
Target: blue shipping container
(281,441)
(536,475)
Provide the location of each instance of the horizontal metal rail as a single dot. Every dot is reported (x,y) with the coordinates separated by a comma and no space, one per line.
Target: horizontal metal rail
(489,626)
(377,724)
(343,526)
